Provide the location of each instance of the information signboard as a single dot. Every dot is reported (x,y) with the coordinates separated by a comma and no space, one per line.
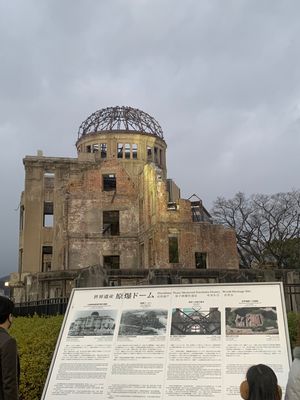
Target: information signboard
(168,342)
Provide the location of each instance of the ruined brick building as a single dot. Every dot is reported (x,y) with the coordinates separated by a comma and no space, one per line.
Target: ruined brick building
(111,216)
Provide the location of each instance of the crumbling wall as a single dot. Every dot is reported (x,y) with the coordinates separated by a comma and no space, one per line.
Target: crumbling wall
(161,222)
(87,201)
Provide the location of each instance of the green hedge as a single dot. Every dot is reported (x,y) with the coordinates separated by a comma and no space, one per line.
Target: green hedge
(37,336)
(293,323)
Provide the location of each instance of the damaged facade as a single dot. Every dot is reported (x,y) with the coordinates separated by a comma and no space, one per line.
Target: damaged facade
(111,216)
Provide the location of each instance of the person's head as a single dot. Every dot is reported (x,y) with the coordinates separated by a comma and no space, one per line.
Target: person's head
(6,310)
(260,384)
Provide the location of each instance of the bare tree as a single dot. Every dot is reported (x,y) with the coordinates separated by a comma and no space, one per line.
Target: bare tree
(264,225)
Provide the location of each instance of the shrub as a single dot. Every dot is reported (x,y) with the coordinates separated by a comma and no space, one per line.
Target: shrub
(293,323)
(36,337)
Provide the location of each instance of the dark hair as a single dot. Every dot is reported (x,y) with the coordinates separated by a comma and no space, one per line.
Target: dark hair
(262,383)
(6,308)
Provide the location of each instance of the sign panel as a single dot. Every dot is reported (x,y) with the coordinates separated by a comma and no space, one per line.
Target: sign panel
(168,342)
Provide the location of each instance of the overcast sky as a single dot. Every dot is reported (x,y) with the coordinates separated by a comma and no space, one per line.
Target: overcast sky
(221,77)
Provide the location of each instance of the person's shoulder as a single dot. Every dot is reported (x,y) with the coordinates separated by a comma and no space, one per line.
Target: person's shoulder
(5,338)
(4,333)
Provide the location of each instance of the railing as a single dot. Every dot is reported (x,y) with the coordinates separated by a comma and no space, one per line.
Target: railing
(292,296)
(59,305)
(41,307)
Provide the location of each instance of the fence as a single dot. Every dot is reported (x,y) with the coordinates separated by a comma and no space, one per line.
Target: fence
(58,305)
(292,297)
(41,307)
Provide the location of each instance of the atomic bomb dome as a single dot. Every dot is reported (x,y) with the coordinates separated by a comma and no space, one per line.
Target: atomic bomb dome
(111,216)
(120,119)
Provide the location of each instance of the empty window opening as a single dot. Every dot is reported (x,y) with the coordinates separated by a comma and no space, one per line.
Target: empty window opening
(173,249)
(201,260)
(48,214)
(134,151)
(156,155)
(172,206)
(109,182)
(88,149)
(49,180)
(149,153)
(112,262)
(127,151)
(103,149)
(160,157)
(111,223)
(46,258)
(95,148)
(21,217)
(120,150)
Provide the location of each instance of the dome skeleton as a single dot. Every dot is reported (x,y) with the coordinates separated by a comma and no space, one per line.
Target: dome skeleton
(120,119)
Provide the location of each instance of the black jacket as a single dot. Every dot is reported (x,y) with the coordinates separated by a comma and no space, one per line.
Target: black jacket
(9,367)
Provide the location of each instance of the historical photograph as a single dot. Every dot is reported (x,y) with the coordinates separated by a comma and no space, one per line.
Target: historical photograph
(190,321)
(251,321)
(143,322)
(93,323)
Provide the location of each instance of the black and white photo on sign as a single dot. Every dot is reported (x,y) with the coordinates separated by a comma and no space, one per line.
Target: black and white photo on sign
(143,322)
(93,323)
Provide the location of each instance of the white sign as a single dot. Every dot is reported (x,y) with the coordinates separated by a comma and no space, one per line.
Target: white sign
(168,342)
